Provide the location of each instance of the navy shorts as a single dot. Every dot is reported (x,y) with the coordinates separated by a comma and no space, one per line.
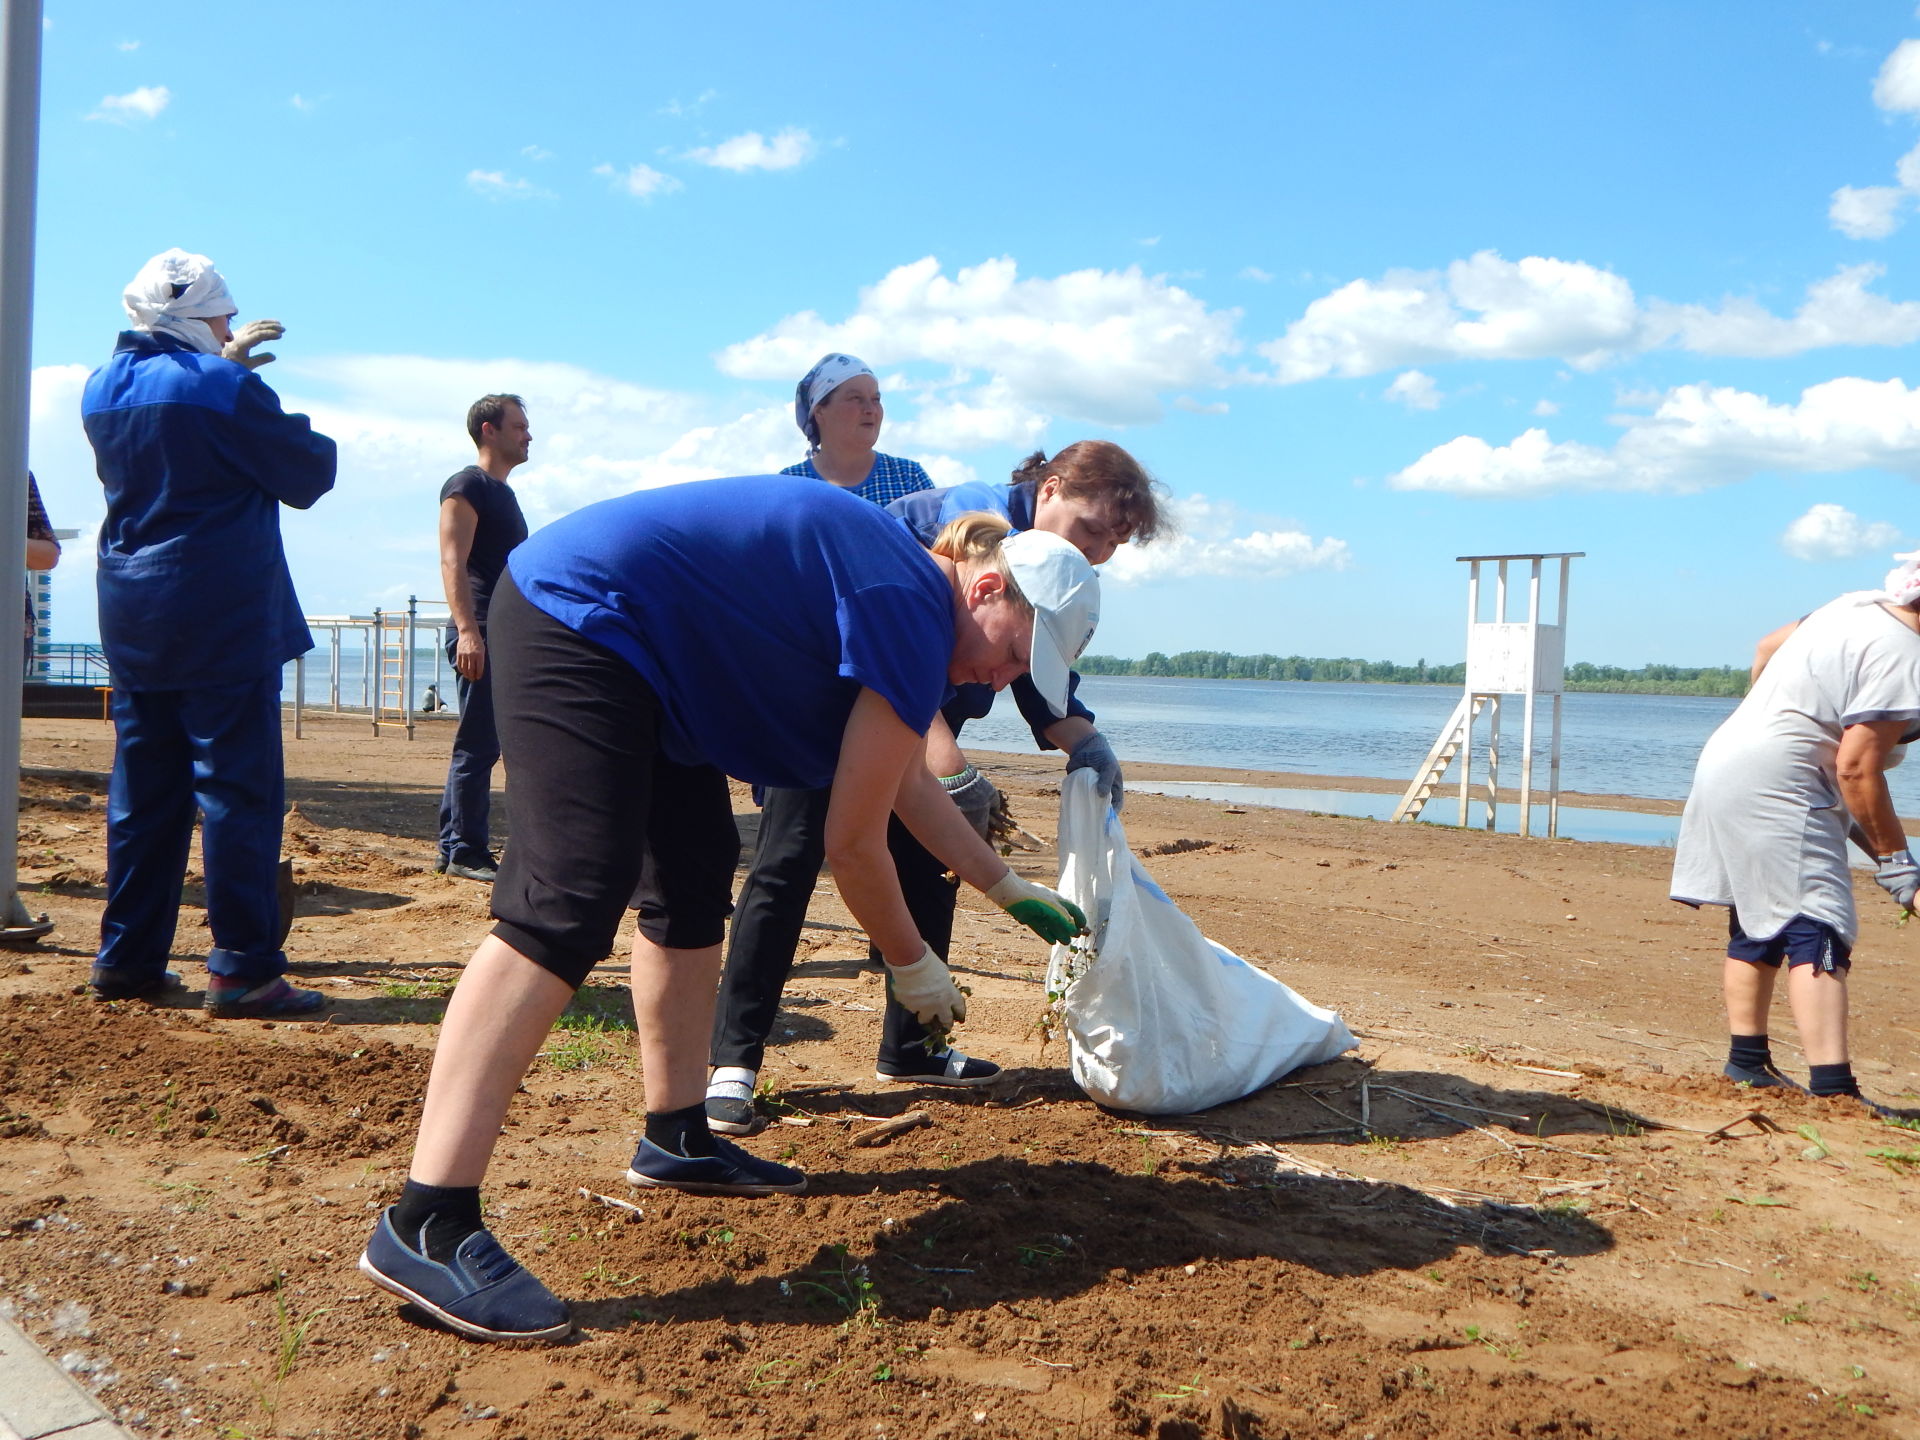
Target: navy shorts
(1800,942)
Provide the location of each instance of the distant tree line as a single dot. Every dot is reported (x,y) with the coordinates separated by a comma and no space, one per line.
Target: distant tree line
(1724,680)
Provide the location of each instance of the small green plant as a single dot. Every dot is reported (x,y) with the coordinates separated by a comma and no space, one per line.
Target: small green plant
(1149,1161)
(1818,1149)
(1436,1277)
(581,1043)
(416,989)
(607,1275)
(1567,1209)
(847,1286)
(1797,1314)
(1901,1162)
(1182,1392)
(163,1112)
(1858,1372)
(1038,1253)
(882,1373)
(765,1376)
(195,1196)
(1383,1144)
(1865,1281)
(1755,1200)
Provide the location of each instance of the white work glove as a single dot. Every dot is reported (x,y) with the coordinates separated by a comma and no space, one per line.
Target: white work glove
(926,989)
(1095,754)
(975,795)
(1047,913)
(1899,876)
(254,332)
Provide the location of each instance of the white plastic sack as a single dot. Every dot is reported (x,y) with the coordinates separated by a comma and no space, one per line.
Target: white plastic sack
(1164,1021)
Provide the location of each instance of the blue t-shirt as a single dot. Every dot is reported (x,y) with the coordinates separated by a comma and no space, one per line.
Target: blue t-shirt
(757,609)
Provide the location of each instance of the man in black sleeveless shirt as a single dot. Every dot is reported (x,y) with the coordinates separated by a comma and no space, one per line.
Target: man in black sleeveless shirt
(480,523)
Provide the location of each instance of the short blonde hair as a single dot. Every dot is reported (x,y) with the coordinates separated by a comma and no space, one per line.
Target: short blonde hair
(972,541)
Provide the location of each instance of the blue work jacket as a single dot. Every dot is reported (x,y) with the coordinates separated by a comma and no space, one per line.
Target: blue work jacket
(197,457)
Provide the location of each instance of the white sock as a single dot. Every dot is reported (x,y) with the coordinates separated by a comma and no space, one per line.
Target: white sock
(734,1082)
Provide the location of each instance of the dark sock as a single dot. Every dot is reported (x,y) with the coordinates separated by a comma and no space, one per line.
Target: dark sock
(450,1213)
(1750,1052)
(1832,1079)
(681,1132)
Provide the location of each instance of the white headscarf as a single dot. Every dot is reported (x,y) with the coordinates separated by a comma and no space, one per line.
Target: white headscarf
(153,305)
(827,375)
(1903,581)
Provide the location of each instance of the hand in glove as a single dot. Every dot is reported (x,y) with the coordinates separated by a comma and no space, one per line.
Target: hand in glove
(254,332)
(976,797)
(1095,754)
(1047,913)
(926,989)
(1899,876)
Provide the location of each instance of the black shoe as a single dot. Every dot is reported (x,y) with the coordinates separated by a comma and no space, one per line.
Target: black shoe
(484,1292)
(112,985)
(728,1171)
(1768,1078)
(949,1067)
(731,1115)
(484,873)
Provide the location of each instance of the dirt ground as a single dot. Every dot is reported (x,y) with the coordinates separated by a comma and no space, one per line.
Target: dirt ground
(1522,1208)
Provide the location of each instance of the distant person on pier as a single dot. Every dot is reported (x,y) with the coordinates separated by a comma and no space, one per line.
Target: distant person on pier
(480,523)
(197,617)
(1798,769)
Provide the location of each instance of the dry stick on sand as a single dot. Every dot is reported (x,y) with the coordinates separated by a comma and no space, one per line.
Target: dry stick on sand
(608,1200)
(883,1132)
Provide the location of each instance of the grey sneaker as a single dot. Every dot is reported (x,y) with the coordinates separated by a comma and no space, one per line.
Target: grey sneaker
(483,873)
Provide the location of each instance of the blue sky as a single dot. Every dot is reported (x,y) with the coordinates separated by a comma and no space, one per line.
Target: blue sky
(1367,287)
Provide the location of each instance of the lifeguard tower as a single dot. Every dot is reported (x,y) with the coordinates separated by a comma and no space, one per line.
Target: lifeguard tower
(1504,657)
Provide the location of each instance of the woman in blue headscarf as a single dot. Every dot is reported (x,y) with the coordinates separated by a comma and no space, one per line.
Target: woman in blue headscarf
(837,407)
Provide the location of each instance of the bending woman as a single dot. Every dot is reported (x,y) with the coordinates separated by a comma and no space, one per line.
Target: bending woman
(1781,784)
(1095,496)
(648,647)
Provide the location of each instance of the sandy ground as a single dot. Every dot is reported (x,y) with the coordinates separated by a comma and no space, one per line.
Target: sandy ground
(1522,1208)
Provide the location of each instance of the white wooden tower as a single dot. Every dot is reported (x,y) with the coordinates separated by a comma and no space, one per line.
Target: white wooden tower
(1505,657)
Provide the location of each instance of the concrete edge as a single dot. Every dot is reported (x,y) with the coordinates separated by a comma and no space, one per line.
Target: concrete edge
(40,1401)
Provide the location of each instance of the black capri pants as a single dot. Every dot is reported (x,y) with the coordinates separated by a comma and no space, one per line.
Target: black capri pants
(601,818)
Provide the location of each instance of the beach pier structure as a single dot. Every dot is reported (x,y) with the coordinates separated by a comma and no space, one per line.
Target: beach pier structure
(1505,657)
(390,669)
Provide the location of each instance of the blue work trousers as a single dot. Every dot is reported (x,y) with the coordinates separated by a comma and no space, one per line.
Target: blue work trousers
(465,805)
(215,750)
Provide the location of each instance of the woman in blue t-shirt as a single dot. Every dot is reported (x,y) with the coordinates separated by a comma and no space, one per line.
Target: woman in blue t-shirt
(646,648)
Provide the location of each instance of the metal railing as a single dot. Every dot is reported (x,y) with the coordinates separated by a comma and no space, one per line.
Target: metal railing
(389,642)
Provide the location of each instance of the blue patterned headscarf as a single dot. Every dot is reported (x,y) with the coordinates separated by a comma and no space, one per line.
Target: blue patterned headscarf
(827,375)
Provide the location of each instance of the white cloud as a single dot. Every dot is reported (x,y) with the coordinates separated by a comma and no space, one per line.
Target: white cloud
(143,104)
(1150,241)
(1099,345)
(1199,407)
(497,185)
(1699,436)
(1490,308)
(1897,87)
(1415,390)
(990,415)
(1545,407)
(1255,273)
(536,153)
(128,45)
(1833,532)
(1869,212)
(1206,544)
(1839,310)
(301,103)
(1482,308)
(676,108)
(643,182)
(753,151)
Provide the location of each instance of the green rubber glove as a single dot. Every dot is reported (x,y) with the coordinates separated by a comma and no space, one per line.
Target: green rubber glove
(1047,913)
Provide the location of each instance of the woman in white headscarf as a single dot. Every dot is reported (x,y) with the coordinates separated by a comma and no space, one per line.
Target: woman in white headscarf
(837,407)
(1781,785)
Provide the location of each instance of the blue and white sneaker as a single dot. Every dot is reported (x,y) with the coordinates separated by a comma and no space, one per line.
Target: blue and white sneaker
(949,1067)
(728,1171)
(484,1292)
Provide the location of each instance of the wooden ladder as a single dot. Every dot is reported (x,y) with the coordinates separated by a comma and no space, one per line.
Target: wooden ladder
(390,695)
(1452,736)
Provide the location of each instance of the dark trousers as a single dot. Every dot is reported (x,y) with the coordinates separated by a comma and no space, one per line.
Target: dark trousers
(603,817)
(465,804)
(773,907)
(217,751)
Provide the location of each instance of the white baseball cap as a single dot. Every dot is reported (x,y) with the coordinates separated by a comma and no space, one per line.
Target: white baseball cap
(1065,595)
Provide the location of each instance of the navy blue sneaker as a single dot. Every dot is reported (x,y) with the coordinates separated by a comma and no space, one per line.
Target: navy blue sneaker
(484,1292)
(1766,1079)
(104,984)
(728,1171)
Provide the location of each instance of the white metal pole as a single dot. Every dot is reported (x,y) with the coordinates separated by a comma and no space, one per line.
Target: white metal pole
(406,668)
(1493,762)
(1553,775)
(1533,680)
(333,667)
(19,184)
(299,695)
(1466,737)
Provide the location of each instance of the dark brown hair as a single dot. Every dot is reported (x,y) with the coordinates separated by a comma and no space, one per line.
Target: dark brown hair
(490,410)
(1100,469)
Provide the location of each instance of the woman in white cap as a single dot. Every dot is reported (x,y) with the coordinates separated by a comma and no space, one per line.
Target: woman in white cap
(1798,768)
(648,647)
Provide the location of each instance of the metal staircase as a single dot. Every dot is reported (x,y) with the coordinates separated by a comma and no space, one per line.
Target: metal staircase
(1452,736)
